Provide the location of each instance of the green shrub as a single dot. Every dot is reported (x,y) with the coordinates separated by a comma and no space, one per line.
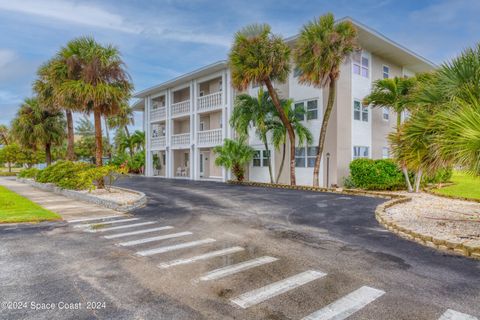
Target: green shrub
(30,173)
(441,176)
(381,174)
(65,174)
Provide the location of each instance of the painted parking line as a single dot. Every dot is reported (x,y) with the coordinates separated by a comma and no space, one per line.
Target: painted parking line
(455,315)
(175,247)
(205,256)
(121,227)
(132,233)
(85,225)
(236,268)
(347,305)
(93,219)
(259,295)
(152,239)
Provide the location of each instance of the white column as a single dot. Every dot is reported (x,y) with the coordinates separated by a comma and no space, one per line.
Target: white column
(193,129)
(148,136)
(168,135)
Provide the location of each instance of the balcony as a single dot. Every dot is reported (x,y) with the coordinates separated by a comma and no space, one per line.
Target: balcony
(209,137)
(158,114)
(210,101)
(182,139)
(158,142)
(180,108)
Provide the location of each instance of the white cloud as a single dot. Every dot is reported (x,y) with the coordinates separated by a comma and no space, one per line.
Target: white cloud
(95,16)
(7,97)
(6,57)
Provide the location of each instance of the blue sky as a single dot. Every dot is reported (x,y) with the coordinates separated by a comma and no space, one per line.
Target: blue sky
(162,39)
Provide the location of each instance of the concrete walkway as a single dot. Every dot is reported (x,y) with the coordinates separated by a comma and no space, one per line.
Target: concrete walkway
(68,208)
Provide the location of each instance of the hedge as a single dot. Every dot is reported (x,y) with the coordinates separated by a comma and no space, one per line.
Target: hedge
(382,174)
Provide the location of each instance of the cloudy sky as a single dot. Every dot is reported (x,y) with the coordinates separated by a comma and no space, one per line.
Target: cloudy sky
(162,39)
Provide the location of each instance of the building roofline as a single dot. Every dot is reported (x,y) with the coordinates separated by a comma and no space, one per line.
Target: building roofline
(193,74)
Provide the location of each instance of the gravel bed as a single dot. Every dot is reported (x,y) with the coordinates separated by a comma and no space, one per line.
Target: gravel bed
(117,195)
(447,219)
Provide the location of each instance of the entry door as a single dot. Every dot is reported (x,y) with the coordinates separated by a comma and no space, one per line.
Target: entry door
(202,164)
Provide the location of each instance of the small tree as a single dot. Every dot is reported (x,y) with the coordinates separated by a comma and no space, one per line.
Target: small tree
(234,155)
(9,154)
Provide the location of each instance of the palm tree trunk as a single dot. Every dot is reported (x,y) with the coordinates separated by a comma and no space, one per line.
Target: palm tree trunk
(127,132)
(418,179)
(9,166)
(264,138)
(281,163)
(407,179)
(107,134)
(48,154)
(288,126)
(70,136)
(332,91)
(98,142)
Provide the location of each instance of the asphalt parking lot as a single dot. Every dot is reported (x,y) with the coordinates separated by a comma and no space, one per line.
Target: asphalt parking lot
(205,250)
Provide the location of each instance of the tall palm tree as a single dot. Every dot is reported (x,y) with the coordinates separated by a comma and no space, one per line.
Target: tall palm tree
(36,125)
(279,132)
(103,86)
(234,155)
(321,48)
(260,57)
(4,135)
(394,94)
(253,112)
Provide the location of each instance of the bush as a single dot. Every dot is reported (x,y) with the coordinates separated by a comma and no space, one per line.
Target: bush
(65,174)
(441,176)
(30,173)
(381,174)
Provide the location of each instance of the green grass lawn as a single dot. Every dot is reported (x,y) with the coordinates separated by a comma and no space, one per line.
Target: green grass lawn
(466,186)
(15,208)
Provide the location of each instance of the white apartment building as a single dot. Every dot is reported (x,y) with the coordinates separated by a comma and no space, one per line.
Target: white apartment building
(186,117)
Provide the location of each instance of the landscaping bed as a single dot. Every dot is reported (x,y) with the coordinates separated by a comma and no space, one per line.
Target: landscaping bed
(448,224)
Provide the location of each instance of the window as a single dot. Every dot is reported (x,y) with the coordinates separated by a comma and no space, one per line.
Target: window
(386,72)
(360,152)
(365,113)
(220,87)
(357,107)
(305,157)
(186,158)
(385,153)
(360,64)
(311,109)
(257,161)
(266,158)
(385,114)
(296,72)
(202,126)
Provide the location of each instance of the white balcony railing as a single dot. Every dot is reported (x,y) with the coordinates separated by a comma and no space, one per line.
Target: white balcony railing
(158,114)
(158,142)
(210,101)
(209,137)
(182,139)
(181,107)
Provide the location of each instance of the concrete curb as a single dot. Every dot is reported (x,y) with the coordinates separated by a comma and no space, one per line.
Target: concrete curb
(429,241)
(72,194)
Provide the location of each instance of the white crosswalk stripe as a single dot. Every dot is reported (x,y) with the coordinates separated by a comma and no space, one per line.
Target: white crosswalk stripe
(93,219)
(132,233)
(259,295)
(104,222)
(236,268)
(175,247)
(121,227)
(347,305)
(205,256)
(455,315)
(152,239)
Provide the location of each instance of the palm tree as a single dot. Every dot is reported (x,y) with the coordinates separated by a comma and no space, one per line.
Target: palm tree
(103,86)
(36,125)
(137,141)
(122,120)
(394,94)
(253,112)
(321,48)
(279,132)
(4,134)
(234,155)
(260,57)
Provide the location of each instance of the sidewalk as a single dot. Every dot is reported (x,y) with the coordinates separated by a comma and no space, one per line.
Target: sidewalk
(66,207)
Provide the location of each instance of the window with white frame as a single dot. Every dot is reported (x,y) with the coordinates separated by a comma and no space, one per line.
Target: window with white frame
(386,72)
(360,64)
(310,107)
(261,158)
(305,157)
(364,113)
(360,112)
(385,153)
(296,72)
(385,113)
(360,152)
